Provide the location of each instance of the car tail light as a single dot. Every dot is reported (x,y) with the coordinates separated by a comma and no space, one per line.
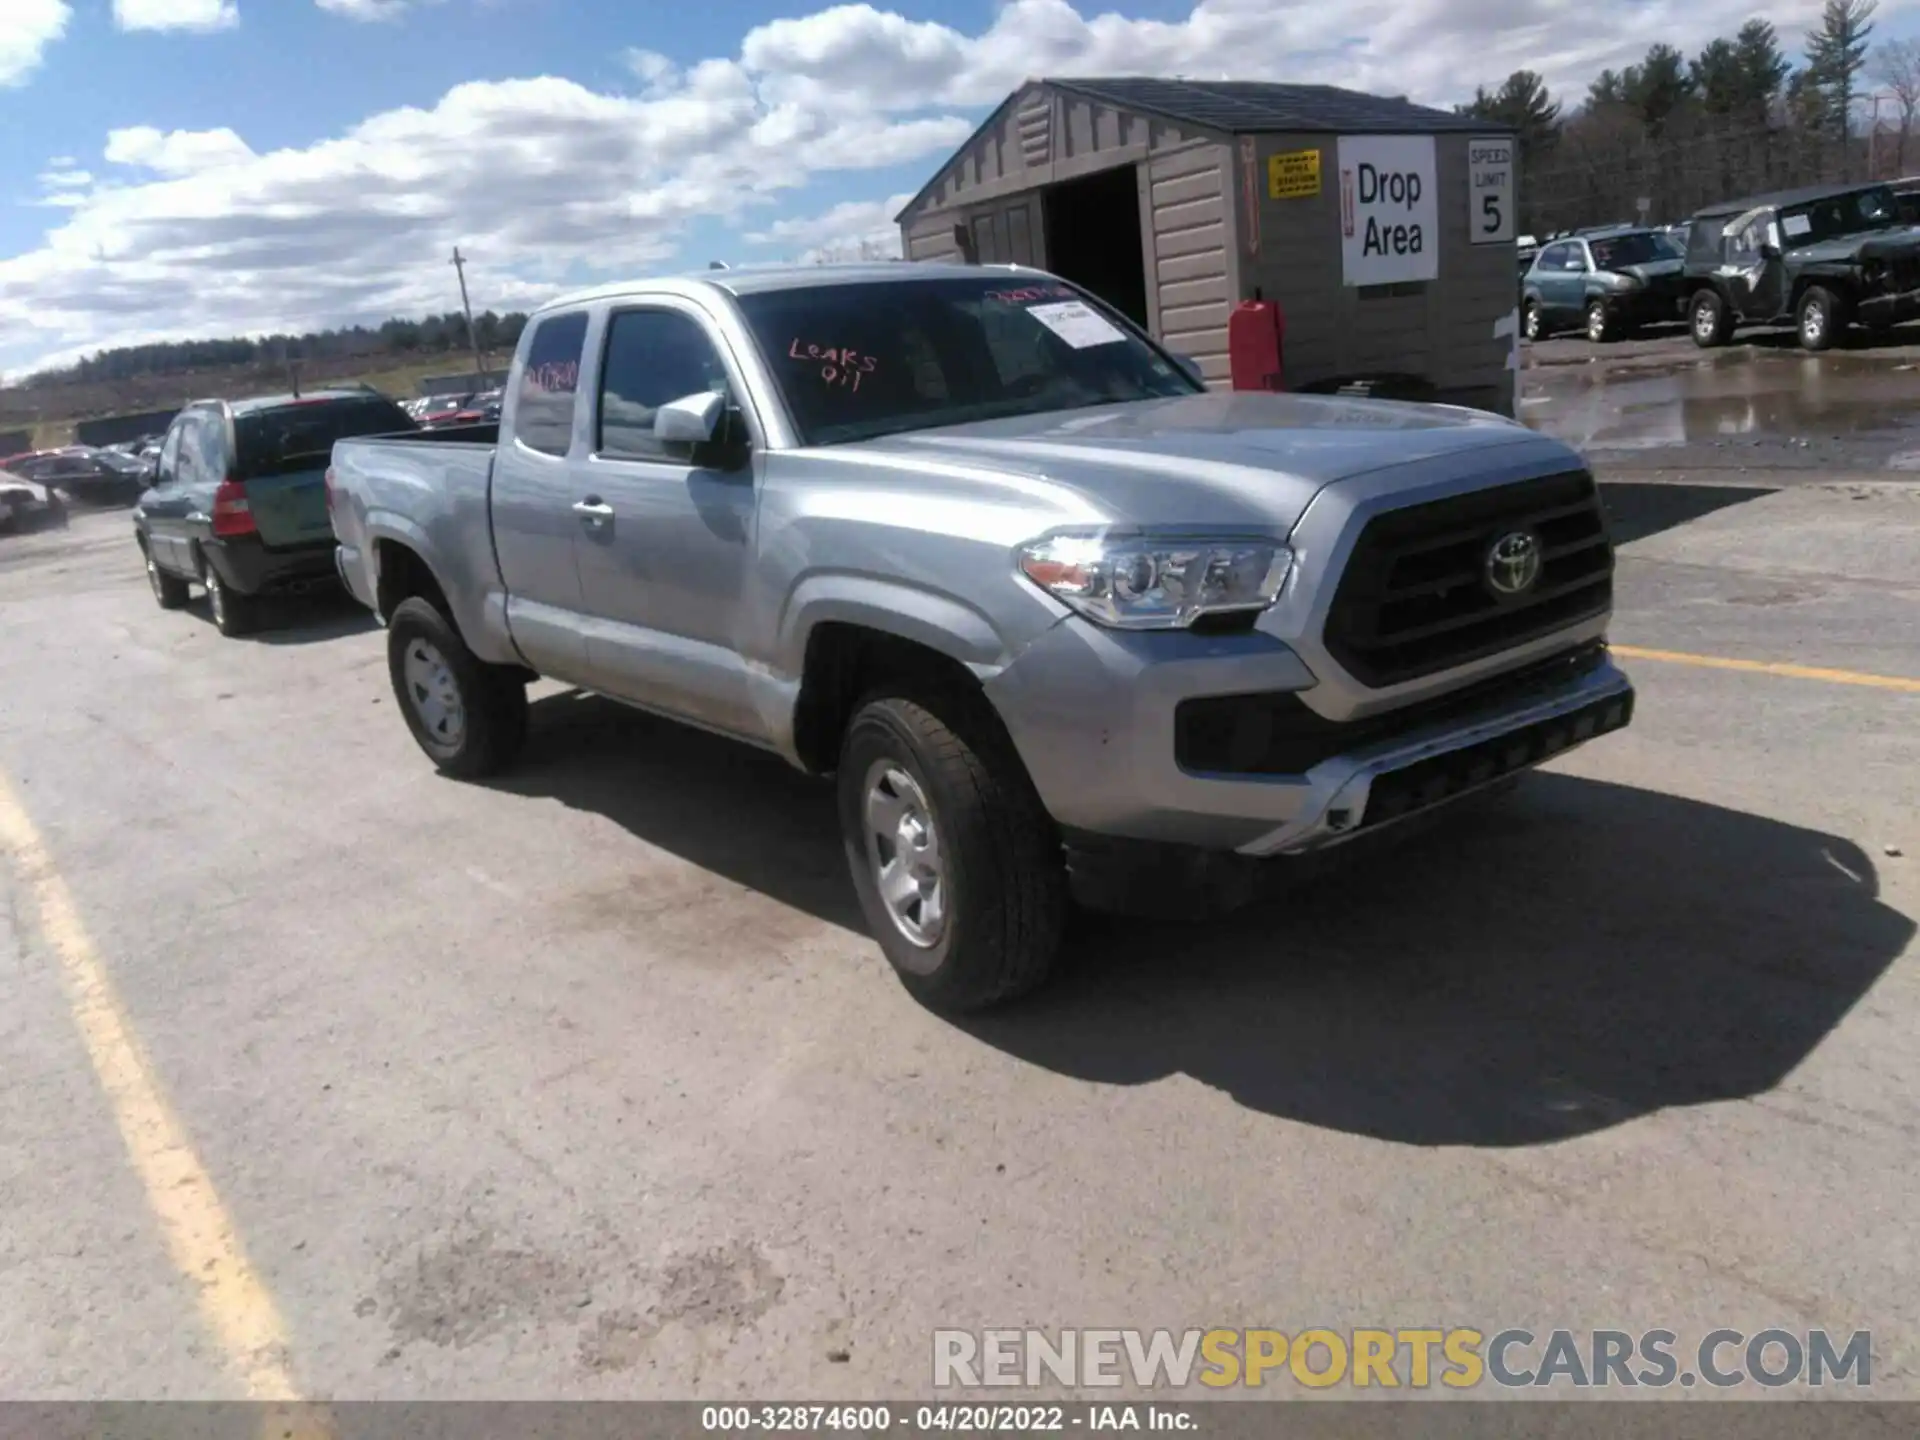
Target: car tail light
(231,513)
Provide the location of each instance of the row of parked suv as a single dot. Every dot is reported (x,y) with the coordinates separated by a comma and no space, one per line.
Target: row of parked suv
(1819,259)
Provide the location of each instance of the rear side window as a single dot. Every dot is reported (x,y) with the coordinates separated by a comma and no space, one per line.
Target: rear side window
(300,436)
(549,382)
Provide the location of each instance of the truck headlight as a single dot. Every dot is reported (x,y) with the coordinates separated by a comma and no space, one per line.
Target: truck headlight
(1148,582)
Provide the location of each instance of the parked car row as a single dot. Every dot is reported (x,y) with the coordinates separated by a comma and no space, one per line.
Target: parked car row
(1820,259)
(482,407)
(83,473)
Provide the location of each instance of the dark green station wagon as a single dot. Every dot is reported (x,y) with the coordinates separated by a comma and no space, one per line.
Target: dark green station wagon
(239,505)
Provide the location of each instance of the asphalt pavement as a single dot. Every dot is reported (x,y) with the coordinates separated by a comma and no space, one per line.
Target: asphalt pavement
(324,1075)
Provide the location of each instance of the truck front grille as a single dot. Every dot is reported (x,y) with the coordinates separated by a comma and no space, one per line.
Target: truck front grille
(1416,598)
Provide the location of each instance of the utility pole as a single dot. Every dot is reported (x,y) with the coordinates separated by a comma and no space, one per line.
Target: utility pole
(473,336)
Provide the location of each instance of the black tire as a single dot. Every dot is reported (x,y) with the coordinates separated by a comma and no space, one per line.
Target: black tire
(1707,319)
(1533,325)
(169,590)
(1003,879)
(1600,324)
(1819,318)
(492,699)
(234,614)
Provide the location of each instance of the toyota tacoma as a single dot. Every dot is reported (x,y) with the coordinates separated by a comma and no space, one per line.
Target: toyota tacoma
(1051,612)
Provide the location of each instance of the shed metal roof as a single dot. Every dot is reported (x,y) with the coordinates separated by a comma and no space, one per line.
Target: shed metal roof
(1246,107)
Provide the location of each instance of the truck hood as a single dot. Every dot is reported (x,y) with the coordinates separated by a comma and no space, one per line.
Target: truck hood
(1223,458)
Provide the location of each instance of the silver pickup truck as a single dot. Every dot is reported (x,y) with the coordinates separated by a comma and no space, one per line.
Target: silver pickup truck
(1053,614)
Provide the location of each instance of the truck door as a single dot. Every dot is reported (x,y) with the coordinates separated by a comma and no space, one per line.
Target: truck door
(534,522)
(1757,276)
(664,565)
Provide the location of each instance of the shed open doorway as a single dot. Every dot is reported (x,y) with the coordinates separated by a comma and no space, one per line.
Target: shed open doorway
(1092,228)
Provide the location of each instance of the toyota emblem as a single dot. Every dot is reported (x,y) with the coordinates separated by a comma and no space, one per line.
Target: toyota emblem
(1513,564)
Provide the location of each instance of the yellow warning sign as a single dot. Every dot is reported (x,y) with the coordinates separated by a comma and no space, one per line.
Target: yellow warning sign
(1293,176)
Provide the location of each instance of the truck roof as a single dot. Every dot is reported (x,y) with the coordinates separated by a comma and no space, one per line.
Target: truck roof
(754,279)
(255,403)
(1781,199)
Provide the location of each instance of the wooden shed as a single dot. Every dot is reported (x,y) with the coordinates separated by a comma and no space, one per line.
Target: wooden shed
(1383,230)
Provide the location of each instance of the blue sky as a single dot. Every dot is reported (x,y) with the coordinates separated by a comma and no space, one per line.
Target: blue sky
(194,167)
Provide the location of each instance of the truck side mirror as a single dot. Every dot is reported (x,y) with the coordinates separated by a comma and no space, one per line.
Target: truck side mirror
(1769,250)
(1190,367)
(690,420)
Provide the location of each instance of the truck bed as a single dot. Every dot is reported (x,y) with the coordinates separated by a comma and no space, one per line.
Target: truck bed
(432,486)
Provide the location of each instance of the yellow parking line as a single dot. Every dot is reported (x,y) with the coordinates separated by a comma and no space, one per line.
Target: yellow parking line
(200,1234)
(1771,667)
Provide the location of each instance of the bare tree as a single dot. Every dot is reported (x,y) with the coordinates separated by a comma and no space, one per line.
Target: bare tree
(840,252)
(1895,64)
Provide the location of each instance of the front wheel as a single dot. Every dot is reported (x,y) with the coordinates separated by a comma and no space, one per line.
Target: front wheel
(954,859)
(1600,326)
(1818,318)
(1531,325)
(470,717)
(1708,320)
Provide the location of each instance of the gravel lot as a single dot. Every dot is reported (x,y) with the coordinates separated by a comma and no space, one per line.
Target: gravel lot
(588,1084)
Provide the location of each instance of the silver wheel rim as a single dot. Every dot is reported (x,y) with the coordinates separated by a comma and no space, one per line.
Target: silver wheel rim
(1813,323)
(153,577)
(1533,322)
(434,692)
(1703,321)
(903,850)
(1596,323)
(216,598)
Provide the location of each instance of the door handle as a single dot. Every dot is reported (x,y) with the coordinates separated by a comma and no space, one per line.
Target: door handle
(593,510)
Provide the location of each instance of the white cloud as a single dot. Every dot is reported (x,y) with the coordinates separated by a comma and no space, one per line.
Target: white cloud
(851,230)
(175,152)
(175,14)
(65,179)
(546,183)
(29,28)
(365,9)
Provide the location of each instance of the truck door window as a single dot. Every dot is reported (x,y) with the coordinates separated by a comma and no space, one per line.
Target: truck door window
(543,412)
(653,357)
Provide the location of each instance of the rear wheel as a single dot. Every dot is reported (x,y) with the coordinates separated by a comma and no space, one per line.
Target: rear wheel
(1708,320)
(169,590)
(233,613)
(470,717)
(955,860)
(1818,318)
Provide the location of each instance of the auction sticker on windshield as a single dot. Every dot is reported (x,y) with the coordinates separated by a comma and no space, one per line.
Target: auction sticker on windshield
(1077,323)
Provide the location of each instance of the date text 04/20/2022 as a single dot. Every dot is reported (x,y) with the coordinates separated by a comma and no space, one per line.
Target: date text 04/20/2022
(1042,1419)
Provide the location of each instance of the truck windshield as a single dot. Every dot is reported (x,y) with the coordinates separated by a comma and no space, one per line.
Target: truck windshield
(859,360)
(299,435)
(1855,214)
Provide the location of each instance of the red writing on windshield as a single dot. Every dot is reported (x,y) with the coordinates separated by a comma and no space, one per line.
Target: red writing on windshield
(556,376)
(839,364)
(1032,293)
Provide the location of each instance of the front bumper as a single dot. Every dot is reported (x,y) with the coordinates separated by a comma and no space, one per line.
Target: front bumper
(1093,714)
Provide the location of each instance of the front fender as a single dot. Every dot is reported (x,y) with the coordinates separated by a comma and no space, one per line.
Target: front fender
(939,621)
